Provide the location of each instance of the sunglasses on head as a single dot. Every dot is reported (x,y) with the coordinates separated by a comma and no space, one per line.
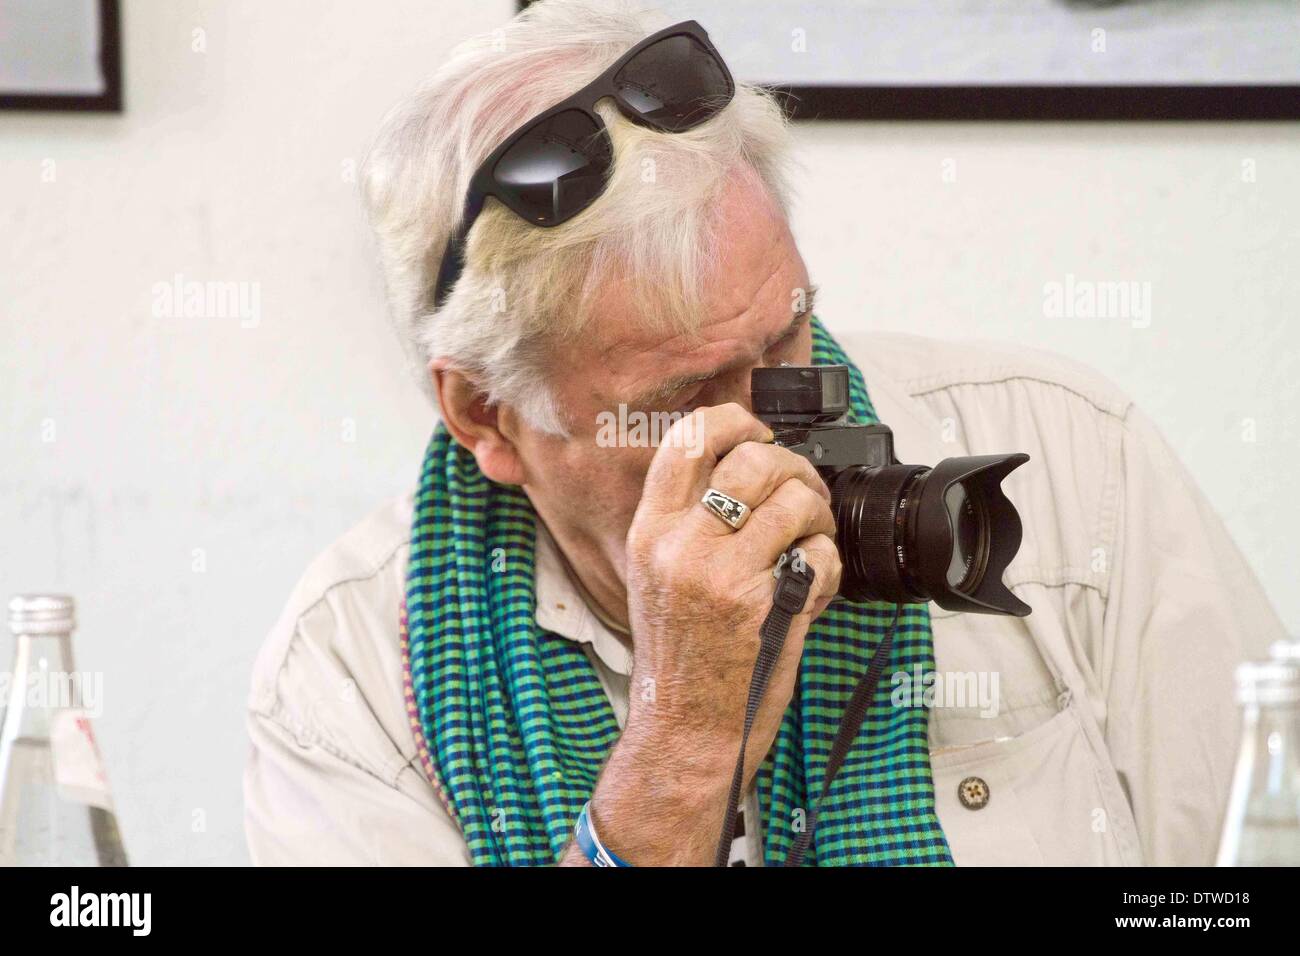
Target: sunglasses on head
(555,165)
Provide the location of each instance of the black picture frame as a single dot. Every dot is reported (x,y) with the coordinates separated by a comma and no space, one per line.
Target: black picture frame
(1043,103)
(110,60)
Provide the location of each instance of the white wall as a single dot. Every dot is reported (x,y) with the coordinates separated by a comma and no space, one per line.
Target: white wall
(195,466)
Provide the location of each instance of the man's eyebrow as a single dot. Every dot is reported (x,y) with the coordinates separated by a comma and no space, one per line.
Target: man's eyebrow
(667,389)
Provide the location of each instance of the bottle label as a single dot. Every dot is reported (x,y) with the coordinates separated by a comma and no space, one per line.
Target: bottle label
(78,768)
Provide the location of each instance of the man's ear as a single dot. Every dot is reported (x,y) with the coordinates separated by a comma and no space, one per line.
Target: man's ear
(476,425)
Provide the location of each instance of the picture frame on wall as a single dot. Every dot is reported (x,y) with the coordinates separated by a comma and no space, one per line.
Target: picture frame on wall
(1013,59)
(60,55)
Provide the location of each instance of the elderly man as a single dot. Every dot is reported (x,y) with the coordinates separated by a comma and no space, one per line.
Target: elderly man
(581,218)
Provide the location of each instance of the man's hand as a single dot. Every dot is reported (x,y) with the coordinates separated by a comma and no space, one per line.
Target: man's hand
(697,596)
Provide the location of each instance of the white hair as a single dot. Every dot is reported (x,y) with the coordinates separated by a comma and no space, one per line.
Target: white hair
(526,288)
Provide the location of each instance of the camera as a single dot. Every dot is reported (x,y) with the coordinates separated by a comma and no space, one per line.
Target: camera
(905,533)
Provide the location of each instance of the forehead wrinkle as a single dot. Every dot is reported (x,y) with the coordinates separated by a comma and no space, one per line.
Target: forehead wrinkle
(767,343)
(672,385)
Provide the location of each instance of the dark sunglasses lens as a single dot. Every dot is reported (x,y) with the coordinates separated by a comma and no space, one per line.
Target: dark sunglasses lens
(676,83)
(556,168)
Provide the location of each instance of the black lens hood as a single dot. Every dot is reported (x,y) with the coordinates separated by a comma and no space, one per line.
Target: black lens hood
(981,477)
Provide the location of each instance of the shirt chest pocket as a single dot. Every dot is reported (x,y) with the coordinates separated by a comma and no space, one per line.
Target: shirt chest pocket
(1039,798)
(1019,777)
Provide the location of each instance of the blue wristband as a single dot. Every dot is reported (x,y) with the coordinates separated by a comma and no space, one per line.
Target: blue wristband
(584,834)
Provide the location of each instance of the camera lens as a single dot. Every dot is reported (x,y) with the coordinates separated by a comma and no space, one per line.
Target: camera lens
(871,509)
(970,539)
(908,533)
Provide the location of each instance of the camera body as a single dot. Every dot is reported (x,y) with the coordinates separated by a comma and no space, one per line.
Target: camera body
(906,533)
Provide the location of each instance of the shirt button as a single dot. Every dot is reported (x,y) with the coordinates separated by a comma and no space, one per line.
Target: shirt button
(973,793)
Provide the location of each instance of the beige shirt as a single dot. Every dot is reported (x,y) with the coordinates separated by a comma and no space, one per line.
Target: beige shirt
(1101,727)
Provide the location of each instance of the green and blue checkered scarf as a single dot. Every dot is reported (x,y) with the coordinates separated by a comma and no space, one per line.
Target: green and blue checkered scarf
(516,726)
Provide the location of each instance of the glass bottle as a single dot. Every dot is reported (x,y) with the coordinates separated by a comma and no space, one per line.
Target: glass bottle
(1262,824)
(55,805)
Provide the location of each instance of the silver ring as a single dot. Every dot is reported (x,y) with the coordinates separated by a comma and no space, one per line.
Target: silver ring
(733,512)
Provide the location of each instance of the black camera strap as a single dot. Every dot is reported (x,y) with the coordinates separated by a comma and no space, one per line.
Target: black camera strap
(855,712)
(794,583)
(794,579)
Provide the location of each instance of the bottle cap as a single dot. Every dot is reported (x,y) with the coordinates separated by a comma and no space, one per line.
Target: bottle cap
(1274,681)
(42,614)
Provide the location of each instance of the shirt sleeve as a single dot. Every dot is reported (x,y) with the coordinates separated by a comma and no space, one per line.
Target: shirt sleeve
(1183,610)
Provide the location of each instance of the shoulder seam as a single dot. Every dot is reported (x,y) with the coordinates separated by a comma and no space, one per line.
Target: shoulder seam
(370,573)
(1121,413)
(269,698)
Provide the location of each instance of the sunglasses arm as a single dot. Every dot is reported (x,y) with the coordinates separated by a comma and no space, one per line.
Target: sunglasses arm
(453,258)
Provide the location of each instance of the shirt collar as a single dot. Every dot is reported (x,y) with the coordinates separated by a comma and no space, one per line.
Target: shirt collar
(562,610)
